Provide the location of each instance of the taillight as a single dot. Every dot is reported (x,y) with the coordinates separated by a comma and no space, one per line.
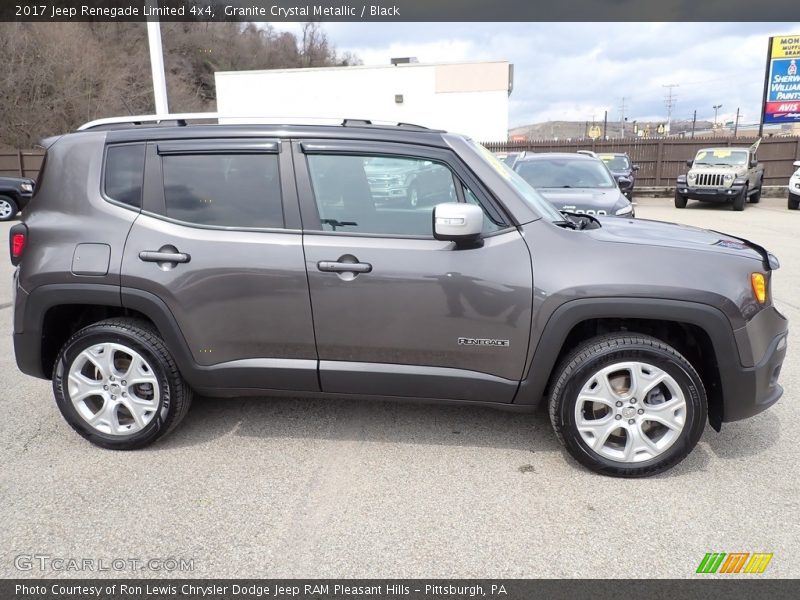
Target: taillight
(17,240)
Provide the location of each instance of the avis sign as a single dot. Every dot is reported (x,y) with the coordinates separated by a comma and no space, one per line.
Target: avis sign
(782,101)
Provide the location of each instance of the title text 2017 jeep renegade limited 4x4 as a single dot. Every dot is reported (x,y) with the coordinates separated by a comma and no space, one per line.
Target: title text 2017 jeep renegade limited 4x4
(158,260)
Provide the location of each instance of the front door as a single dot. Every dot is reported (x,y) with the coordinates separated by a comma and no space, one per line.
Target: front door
(219,242)
(396,312)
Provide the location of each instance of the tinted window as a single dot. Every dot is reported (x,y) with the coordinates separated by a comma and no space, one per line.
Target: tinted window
(225,190)
(378,194)
(615,162)
(124,173)
(565,173)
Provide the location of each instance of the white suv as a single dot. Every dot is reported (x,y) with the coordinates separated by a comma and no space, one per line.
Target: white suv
(794,188)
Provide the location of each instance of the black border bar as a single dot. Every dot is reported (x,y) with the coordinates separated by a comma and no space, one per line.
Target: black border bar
(710,587)
(402,10)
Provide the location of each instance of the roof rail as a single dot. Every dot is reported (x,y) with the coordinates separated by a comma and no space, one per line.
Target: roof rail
(180,118)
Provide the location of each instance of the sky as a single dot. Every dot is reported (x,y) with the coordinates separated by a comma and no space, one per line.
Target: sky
(576,71)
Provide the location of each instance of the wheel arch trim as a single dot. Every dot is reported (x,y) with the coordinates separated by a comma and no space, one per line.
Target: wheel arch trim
(563,320)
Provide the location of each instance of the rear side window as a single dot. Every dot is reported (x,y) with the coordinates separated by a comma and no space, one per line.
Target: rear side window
(124,174)
(223,190)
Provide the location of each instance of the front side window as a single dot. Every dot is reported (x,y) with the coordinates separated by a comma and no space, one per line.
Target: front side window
(379,194)
(223,190)
(124,174)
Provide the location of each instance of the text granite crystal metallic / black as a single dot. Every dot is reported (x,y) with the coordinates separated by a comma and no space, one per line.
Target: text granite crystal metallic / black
(156,261)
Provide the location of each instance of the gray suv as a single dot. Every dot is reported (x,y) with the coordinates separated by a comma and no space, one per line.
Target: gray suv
(160,260)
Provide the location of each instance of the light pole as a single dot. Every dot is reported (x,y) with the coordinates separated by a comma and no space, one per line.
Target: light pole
(157,63)
(716,109)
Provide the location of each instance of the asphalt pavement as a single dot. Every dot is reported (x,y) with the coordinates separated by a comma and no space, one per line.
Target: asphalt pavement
(309,488)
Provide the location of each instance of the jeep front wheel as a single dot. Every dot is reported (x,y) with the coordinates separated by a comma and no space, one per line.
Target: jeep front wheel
(741,198)
(680,201)
(117,385)
(627,405)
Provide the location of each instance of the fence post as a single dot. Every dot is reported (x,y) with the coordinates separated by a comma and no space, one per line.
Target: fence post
(20,164)
(659,161)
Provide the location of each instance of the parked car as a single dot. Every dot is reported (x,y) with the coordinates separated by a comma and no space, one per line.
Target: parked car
(722,175)
(575,182)
(623,170)
(15,193)
(794,187)
(159,261)
(413,182)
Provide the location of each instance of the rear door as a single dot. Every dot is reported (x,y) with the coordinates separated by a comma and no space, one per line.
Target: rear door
(396,312)
(219,242)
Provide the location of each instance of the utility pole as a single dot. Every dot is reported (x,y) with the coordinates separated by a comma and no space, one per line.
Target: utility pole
(716,108)
(670,100)
(622,118)
(157,64)
(736,125)
(694,122)
(605,125)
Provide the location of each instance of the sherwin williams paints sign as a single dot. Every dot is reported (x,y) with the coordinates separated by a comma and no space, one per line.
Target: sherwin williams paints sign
(782,98)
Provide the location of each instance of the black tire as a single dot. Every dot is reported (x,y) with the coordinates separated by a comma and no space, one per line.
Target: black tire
(738,202)
(175,394)
(755,197)
(794,202)
(8,208)
(680,201)
(578,368)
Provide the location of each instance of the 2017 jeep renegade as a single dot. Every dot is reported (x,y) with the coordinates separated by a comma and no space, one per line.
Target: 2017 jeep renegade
(158,260)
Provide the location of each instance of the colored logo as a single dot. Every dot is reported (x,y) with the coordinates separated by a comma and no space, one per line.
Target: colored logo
(735,562)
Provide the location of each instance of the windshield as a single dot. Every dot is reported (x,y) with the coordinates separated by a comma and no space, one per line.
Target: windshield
(530,195)
(616,163)
(565,173)
(721,156)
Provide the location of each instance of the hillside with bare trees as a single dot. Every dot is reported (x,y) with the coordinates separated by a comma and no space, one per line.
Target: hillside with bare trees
(55,76)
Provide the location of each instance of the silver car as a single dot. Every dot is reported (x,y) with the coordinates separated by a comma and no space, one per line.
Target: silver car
(575,183)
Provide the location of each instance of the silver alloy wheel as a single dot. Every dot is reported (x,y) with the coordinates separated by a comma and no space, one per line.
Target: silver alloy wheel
(630,412)
(113,388)
(6,209)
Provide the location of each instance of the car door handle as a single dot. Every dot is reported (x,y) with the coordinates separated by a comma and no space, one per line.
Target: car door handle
(343,267)
(164,257)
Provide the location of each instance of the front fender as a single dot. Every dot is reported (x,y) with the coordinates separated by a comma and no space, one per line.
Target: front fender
(562,321)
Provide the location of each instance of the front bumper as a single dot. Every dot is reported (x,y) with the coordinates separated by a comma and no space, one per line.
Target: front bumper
(710,194)
(748,391)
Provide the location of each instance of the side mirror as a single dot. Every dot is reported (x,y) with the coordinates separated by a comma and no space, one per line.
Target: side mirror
(635,167)
(457,222)
(689,162)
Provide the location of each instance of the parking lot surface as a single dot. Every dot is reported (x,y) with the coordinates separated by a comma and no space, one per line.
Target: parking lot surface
(309,488)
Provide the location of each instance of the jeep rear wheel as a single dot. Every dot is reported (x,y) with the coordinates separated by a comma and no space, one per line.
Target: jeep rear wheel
(755,197)
(117,385)
(627,405)
(741,198)
(8,208)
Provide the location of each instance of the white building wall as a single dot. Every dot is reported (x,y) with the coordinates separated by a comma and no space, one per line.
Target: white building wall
(469,98)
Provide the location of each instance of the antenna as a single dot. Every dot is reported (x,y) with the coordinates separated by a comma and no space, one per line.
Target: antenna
(622,118)
(670,100)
